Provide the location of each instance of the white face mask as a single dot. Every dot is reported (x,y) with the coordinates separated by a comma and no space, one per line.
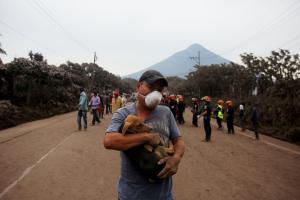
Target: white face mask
(152,99)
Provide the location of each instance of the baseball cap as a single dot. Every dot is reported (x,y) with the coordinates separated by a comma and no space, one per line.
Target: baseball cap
(151,76)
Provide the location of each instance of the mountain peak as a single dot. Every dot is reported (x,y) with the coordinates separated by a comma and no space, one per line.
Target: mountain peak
(180,63)
(195,45)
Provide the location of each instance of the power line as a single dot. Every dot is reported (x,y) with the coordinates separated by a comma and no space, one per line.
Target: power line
(283,15)
(69,34)
(291,40)
(25,36)
(197,58)
(293,46)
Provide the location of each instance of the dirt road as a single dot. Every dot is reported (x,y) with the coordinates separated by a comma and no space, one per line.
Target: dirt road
(50,159)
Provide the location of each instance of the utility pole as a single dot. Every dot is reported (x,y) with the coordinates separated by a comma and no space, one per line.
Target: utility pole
(198,61)
(197,58)
(95,57)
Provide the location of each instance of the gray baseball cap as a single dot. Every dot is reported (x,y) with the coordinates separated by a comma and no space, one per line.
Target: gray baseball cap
(151,76)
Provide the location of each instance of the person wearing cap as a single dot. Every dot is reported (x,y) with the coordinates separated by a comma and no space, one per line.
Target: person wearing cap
(132,185)
(82,110)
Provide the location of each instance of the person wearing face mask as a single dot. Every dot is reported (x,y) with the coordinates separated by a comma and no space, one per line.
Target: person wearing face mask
(132,185)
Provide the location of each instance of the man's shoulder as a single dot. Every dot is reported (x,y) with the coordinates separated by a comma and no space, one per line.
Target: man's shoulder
(130,108)
(163,108)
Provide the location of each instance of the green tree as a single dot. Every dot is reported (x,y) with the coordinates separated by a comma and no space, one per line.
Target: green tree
(30,54)
(1,52)
(38,57)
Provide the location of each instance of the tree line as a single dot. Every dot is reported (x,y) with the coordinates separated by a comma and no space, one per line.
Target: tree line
(30,88)
(271,83)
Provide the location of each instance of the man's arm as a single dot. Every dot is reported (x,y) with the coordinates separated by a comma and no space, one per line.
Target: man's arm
(80,101)
(172,162)
(118,141)
(179,147)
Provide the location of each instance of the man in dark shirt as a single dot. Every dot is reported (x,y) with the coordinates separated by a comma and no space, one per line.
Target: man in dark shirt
(195,112)
(181,108)
(206,113)
(173,105)
(254,119)
(230,116)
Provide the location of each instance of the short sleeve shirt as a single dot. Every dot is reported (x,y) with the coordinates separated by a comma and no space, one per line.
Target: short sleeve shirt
(207,108)
(132,185)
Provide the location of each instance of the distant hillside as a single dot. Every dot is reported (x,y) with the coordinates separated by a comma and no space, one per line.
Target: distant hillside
(180,63)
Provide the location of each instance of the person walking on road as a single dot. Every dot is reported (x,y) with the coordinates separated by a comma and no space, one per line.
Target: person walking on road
(95,103)
(82,110)
(132,184)
(230,117)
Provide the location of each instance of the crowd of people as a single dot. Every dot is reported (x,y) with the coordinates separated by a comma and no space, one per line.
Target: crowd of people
(163,113)
(202,107)
(98,105)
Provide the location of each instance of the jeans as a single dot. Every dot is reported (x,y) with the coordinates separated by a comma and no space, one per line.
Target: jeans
(255,127)
(242,122)
(230,125)
(95,116)
(219,121)
(195,120)
(207,128)
(180,118)
(107,109)
(82,114)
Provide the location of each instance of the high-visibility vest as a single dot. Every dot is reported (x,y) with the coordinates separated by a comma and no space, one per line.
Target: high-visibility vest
(220,113)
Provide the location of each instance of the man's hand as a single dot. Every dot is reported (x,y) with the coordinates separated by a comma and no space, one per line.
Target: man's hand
(154,139)
(171,166)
